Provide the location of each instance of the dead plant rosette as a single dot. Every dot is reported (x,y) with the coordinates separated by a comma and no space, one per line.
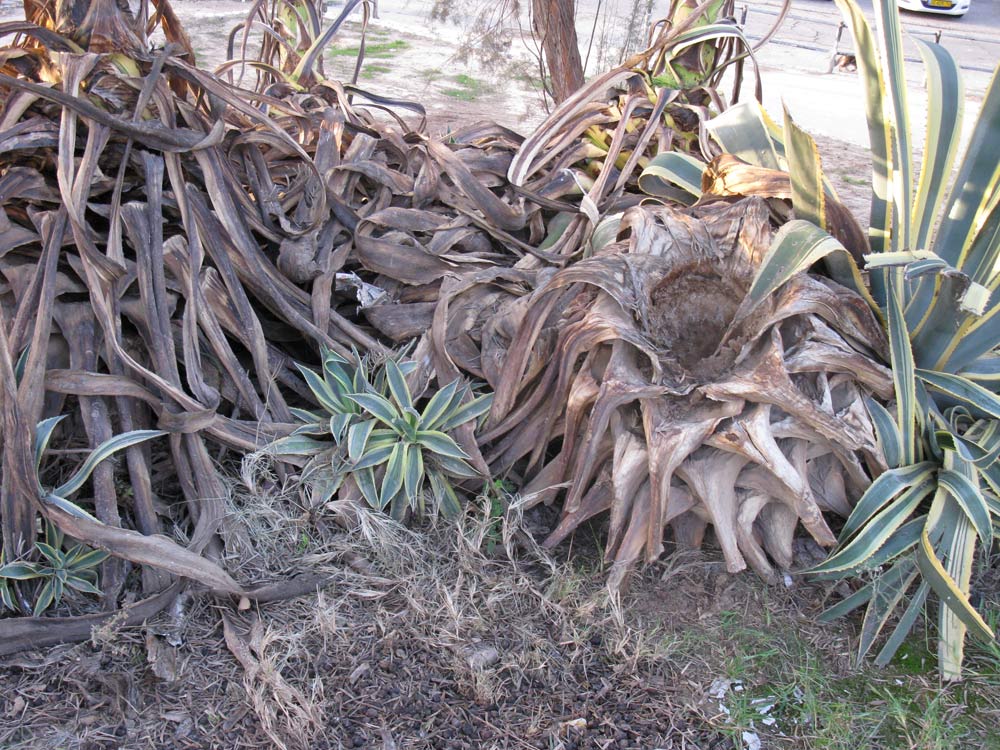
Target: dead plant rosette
(640,381)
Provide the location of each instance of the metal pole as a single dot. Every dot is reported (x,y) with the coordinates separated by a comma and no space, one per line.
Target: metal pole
(836,47)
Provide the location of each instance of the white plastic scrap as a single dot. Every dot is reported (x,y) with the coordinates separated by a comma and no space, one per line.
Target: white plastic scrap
(722,685)
(367,294)
(751,741)
(718,689)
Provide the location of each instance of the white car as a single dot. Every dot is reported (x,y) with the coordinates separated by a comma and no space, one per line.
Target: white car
(947,7)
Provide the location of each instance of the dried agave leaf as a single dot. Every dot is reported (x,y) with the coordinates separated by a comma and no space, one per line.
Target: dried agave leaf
(650,331)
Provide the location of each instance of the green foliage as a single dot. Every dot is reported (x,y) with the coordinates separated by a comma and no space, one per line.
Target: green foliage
(6,591)
(372,71)
(934,270)
(412,445)
(57,569)
(390,449)
(496,494)
(693,59)
(531,81)
(468,89)
(378,50)
(941,313)
(59,496)
(673,175)
(339,379)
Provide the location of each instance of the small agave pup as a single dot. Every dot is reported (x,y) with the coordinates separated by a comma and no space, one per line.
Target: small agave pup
(643,382)
(57,569)
(383,448)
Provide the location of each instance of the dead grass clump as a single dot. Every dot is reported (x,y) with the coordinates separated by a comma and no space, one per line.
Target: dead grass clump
(289,715)
(447,628)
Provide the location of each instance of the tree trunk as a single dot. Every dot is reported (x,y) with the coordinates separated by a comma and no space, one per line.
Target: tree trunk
(553,22)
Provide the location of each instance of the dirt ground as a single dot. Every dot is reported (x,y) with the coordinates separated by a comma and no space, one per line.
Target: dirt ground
(475,638)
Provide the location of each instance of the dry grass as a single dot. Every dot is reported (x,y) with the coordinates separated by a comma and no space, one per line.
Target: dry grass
(423,639)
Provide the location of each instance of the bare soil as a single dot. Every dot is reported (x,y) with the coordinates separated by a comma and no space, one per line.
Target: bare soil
(849,169)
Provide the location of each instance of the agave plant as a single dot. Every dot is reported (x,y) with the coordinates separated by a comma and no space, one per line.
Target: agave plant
(176,243)
(6,590)
(934,273)
(311,440)
(413,445)
(638,382)
(331,391)
(58,496)
(611,384)
(58,568)
(594,145)
(387,438)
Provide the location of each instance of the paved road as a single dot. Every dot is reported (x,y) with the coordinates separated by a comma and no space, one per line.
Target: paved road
(831,105)
(982,20)
(974,39)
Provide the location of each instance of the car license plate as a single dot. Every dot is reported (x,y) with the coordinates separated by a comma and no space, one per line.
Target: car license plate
(940,3)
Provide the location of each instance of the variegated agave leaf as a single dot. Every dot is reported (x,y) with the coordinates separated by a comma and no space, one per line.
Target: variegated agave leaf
(933,277)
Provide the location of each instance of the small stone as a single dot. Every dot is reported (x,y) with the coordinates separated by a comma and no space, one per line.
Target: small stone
(482,657)
(578,725)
